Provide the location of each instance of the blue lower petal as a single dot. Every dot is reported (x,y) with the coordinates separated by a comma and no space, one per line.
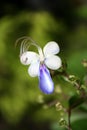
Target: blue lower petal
(45,81)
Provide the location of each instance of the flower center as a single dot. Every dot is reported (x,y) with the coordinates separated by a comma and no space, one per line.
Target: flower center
(41,55)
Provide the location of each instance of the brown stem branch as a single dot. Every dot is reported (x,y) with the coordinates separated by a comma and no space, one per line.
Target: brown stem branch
(69,121)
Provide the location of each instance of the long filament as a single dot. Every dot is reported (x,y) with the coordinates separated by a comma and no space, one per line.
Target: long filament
(25,44)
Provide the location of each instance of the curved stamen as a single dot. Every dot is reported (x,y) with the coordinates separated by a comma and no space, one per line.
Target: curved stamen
(25,44)
(22,48)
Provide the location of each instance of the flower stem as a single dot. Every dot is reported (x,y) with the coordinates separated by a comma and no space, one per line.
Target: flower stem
(69,121)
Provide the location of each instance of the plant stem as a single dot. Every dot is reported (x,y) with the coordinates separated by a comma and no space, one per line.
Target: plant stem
(69,121)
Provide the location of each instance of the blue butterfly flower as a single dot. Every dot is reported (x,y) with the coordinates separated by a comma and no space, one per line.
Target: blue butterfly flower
(39,63)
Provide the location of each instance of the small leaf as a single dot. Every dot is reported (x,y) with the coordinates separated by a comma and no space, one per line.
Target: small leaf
(84,62)
(83,87)
(59,107)
(62,122)
(73,78)
(75,101)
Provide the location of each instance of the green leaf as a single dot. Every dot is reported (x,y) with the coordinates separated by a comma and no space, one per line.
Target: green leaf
(75,101)
(80,123)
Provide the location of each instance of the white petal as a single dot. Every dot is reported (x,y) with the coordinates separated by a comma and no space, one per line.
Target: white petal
(28,57)
(51,48)
(53,62)
(33,69)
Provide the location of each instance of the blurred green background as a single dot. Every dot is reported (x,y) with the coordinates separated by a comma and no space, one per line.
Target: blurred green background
(22,105)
